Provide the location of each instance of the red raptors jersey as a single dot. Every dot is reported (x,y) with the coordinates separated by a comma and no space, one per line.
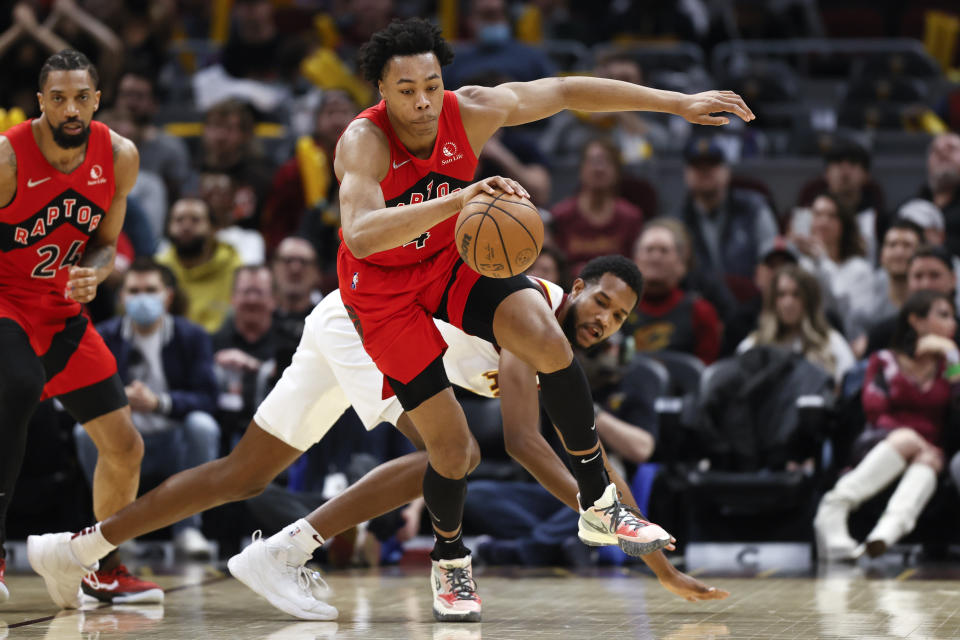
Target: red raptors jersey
(410,180)
(45,229)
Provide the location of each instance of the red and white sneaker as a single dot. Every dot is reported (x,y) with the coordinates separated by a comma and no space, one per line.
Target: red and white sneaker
(4,592)
(119,586)
(455,596)
(609,522)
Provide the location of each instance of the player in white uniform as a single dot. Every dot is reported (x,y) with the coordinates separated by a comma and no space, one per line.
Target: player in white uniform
(330,372)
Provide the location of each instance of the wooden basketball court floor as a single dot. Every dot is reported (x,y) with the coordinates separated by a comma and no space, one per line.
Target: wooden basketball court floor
(888,601)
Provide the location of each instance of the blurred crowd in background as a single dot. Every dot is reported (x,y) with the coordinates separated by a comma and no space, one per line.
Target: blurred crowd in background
(778,256)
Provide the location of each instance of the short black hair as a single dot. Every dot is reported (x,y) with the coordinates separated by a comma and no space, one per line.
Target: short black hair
(619,266)
(906,225)
(68,60)
(146,264)
(937,253)
(402,38)
(850,151)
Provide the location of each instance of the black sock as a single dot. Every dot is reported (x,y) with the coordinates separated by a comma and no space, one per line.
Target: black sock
(444,499)
(448,548)
(591,475)
(566,397)
(21,383)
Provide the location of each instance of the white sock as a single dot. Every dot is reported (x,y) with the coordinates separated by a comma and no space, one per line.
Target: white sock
(300,534)
(89,545)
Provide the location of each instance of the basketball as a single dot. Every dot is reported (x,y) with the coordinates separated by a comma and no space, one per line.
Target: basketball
(499,236)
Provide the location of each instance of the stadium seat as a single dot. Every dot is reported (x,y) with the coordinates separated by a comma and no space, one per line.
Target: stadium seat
(756,411)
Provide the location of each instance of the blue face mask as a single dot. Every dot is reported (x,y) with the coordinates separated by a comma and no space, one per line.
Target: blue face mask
(495,33)
(145,308)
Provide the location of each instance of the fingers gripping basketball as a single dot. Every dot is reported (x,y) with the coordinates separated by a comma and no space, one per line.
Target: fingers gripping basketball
(499,236)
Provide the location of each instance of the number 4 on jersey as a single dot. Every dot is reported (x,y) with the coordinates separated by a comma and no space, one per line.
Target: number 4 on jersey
(49,254)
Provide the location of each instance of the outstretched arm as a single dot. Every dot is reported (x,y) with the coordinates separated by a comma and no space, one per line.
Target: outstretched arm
(98,256)
(524,442)
(486,109)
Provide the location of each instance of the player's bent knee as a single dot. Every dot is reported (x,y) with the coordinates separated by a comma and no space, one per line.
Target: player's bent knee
(452,463)
(552,351)
(124,449)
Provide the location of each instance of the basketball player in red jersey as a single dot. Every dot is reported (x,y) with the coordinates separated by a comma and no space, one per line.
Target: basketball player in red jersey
(405,168)
(64,182)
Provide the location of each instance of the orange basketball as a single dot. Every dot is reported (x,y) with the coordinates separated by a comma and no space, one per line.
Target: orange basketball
(499,236)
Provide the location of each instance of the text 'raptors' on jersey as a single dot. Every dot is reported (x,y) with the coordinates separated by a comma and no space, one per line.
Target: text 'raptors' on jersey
(45,229)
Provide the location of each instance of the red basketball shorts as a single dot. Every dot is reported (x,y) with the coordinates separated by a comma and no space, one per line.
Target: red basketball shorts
(392,308)
(72,352)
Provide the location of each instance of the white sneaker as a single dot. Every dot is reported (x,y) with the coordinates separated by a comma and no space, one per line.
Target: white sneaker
(609,522)
(190,542)
(455,596)
(277,573)
(50,555)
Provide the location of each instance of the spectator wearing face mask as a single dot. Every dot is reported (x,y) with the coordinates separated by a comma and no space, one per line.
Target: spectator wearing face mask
(493,48)
(166,364)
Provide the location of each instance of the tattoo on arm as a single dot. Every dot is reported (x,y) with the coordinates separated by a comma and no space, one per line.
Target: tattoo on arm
(97,257)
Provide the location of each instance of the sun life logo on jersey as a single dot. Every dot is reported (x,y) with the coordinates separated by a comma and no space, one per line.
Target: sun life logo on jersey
(96,175)
(449,150)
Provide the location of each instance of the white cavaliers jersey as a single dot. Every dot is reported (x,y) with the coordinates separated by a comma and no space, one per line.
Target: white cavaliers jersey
(473,363)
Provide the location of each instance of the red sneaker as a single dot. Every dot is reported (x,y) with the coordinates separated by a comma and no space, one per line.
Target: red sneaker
(4,592)
(119,586)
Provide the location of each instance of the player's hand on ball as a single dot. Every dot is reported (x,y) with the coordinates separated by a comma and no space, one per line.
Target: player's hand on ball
(82,284)
(491,186)
(697,108)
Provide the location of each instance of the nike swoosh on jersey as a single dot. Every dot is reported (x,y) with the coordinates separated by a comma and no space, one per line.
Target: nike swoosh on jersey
(33,183)
(397,166)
